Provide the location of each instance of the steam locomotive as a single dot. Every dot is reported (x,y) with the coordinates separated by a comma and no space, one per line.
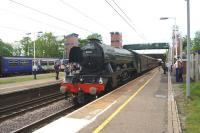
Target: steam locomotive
(103,68)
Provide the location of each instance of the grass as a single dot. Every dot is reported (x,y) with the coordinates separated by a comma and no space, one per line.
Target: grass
(192,109)
(28,78)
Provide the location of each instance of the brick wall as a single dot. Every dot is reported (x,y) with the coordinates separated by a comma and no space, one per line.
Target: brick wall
(116,39)
(70,41)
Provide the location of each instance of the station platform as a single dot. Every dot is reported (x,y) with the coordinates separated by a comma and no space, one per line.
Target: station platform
(28,83)
(140,106)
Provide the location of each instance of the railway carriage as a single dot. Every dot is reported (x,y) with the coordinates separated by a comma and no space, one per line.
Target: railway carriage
(47,64)
(24,65)
(15,65)
(103,69)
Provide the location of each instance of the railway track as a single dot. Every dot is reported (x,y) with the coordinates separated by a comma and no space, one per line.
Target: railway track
(31,127)
(17,109)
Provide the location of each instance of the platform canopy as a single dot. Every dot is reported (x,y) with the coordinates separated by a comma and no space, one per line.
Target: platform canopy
(155,50)
(147,46)
(151,51)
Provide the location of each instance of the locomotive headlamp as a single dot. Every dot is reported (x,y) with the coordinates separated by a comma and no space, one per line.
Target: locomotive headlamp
(93,90)
(63,89)
(100,81)
(81,79)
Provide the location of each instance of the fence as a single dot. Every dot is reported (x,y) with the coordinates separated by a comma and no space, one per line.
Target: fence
(195,67)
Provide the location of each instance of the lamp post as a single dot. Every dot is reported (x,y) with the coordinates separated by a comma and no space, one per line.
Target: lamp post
(175,38)
(34,60)
(188,51)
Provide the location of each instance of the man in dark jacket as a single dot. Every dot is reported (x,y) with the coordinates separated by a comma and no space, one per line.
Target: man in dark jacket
(57,69)
(180,72)
(164,67)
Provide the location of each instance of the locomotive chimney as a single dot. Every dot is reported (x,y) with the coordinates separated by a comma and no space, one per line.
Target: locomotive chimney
(70,41)
(116,39)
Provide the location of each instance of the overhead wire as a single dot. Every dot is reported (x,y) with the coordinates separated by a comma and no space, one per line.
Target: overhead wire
(84,14)
(35,20)
(15,29)
(51,16)
(125,20)
(122,11)
(121,16)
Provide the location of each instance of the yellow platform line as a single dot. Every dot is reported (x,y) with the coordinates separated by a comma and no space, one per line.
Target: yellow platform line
(100,127)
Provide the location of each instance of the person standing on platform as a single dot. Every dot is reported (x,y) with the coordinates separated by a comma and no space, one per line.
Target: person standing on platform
(164,67)
(177,70)
(67,69)
(160,65)
(57,69)
(180,73)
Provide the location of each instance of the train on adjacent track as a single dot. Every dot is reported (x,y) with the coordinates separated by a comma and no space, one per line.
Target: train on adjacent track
(103,68)
(24,65)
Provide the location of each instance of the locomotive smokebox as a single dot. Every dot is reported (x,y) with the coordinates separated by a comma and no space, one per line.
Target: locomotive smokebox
(90,56)
(76,55)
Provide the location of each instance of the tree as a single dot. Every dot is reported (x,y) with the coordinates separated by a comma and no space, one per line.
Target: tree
(95,36)
(6,49)
(17,51)
(27,46)
(82,42)
(184,43)
(48,46)
(196,41)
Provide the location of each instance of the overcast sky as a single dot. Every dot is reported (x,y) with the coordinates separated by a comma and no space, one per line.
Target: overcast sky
(96,16)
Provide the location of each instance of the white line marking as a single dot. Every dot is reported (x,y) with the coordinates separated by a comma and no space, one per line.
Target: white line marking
(64,125)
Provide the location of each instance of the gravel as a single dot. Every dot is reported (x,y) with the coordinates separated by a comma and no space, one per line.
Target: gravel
(13,124)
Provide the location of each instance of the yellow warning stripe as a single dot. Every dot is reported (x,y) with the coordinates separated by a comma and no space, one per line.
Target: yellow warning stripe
(100,127)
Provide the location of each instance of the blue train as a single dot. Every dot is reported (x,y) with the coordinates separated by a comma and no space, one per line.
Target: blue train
(24,65)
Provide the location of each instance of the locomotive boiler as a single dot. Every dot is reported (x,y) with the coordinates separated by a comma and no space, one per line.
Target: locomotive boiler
(103,68)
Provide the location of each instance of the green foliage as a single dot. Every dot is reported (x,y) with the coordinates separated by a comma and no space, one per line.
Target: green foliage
(192,108)
(165,56)
(46,45)
(5,49)
(95,36)
(18,79)
(184,43)
(27,46)
(82,42)
(17,50)
(196,41)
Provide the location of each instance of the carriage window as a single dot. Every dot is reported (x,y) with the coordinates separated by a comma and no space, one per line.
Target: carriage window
(13,62)
(24,62)
(43,62)
(51,62)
